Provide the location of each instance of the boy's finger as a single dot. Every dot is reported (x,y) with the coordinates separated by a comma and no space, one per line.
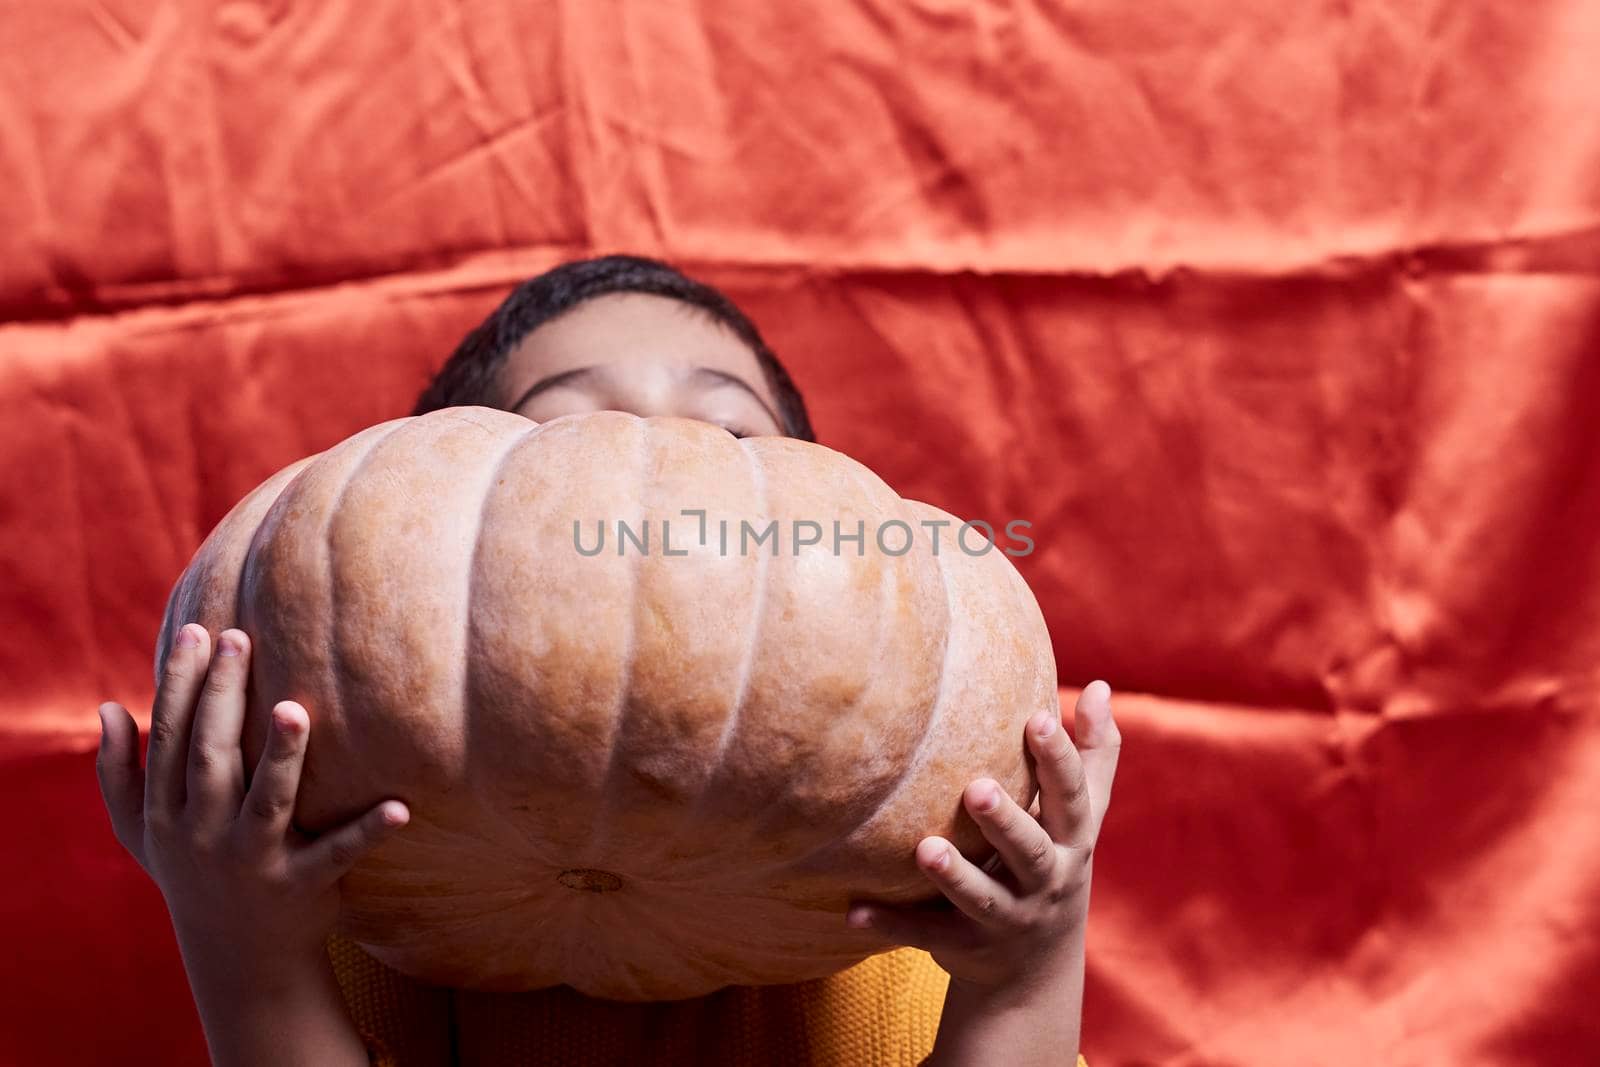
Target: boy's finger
(931,931)
(268,807)
(121,777)
(1023,845)
(330,857)
(972,890)
(216,764)
(1099,743)
(172,717)
(1064,809)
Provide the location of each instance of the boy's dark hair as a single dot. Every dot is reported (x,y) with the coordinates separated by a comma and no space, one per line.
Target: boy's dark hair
(468,376)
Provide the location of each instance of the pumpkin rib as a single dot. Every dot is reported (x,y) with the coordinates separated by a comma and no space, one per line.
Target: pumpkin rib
(183,592)
(596,843)
(245,561)
(914,762)
(747,663)
(753,873)
(184,603)
(468,651)
(325,543)
(495,469)
(937,710)
(870,484)
(885,614)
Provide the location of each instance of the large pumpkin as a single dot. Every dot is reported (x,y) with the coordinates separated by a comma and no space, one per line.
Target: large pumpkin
(647,772)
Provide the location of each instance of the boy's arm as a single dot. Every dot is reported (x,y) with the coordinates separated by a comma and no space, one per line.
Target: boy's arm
(289,1013)
(1013,940)
(1038,1024)
(252,900)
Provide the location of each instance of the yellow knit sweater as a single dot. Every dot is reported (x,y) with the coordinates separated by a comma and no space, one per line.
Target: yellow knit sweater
(883,1011)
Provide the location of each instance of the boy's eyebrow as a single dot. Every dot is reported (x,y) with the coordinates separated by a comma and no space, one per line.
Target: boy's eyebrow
(566,377)
(722,377)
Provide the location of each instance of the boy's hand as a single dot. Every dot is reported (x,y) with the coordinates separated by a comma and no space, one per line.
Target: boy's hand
(249,895)
(1018,927)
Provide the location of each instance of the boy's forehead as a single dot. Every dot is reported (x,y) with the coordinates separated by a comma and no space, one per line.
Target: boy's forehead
(623,329)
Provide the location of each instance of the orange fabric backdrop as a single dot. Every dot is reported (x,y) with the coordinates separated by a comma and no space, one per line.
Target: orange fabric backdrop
(1281,322)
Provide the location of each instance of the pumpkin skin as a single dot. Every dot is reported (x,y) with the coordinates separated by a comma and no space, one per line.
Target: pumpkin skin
(644,775)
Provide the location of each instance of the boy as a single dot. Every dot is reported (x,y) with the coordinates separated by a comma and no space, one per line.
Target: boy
(253,901)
